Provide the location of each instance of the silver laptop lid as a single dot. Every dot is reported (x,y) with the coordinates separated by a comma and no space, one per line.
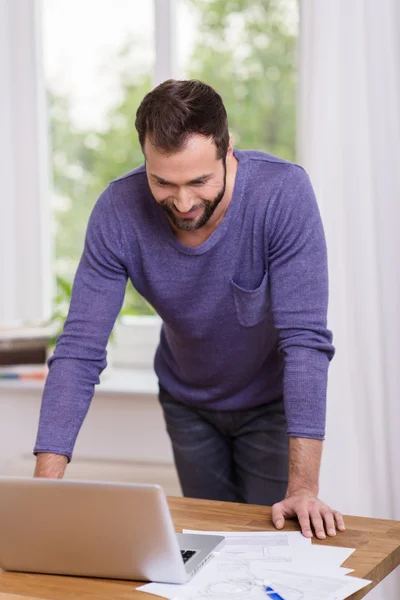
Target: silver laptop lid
(97,529)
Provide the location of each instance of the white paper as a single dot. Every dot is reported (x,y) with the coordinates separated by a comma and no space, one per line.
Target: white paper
(333,555)
(302,553)
(246,561)
(271,546)
(219,581)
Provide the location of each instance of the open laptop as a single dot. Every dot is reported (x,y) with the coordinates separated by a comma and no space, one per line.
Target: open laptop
(95,529)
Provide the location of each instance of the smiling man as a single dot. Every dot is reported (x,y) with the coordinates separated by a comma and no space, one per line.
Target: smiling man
(228,247)
(198,214)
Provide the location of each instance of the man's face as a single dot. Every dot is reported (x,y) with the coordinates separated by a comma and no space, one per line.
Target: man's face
(189,184)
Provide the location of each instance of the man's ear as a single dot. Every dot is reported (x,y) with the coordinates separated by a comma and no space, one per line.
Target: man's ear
(229,152)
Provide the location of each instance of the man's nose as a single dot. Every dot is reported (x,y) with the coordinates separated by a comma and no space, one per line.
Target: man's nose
(183,201)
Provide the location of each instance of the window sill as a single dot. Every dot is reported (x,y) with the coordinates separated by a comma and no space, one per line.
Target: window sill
(113,381)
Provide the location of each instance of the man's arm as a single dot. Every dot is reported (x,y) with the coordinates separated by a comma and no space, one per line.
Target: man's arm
(298,276)
(80,353)
(304,465)
(50,465)
(302,493)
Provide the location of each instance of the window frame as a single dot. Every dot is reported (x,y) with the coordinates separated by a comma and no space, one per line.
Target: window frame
(25,232)
(25,241)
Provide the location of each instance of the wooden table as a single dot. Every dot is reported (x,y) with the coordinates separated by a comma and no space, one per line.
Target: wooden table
(377,544)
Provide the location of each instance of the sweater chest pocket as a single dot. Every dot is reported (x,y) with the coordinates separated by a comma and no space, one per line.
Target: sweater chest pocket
(251,306)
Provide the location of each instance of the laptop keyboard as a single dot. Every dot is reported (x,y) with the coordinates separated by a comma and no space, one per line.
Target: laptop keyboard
(186,554)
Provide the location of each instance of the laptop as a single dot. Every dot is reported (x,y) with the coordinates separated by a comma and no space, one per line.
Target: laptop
(95,529)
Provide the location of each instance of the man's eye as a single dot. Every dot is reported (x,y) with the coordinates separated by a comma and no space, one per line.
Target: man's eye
(163,183)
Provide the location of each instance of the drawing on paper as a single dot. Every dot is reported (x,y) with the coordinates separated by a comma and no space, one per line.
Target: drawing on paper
(269,549)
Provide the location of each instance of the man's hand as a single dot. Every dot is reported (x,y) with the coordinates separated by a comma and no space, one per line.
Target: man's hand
(50,465)
(309,511)
(301,499)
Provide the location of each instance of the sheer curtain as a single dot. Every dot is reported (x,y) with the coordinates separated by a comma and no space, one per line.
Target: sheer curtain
(349,142)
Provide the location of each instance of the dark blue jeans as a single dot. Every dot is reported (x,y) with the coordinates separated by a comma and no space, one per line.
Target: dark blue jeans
(236,456)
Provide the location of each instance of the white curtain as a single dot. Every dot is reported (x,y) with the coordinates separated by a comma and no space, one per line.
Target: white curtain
(349,142)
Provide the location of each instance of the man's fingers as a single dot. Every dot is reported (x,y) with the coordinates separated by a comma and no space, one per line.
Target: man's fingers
(277,515)
(339,520)
(311,513)
(318,524)
(327,515)
(304,520)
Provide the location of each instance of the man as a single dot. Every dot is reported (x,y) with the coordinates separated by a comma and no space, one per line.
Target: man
(228,247)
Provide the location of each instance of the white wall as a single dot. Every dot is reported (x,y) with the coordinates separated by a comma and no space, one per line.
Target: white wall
(139,452)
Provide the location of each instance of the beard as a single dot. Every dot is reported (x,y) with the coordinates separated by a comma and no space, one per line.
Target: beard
(208,207)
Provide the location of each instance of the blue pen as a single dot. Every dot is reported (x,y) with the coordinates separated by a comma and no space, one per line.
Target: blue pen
(272,595)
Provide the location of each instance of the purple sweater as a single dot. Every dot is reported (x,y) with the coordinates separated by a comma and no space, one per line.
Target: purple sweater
(244,313)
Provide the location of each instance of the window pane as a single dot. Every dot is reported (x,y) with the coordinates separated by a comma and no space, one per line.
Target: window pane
(99,59)
(246,49)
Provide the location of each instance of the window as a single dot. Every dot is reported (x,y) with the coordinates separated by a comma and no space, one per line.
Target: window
(246,50)
(100,58)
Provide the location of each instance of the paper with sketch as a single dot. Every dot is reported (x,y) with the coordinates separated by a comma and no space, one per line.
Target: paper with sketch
(282,548)
(247,560)
(271,546)
(219,580)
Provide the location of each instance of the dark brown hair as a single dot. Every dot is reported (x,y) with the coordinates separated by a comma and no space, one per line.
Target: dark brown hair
(174,110)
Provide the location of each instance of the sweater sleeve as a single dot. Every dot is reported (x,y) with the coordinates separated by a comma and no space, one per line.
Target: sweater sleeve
(80,353)
(299,299)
